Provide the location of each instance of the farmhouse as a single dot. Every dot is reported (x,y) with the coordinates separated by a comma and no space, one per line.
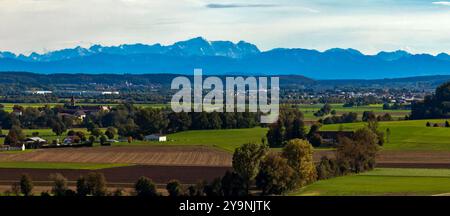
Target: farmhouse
(80,112)
(332,137)
(34,142)
(155,137)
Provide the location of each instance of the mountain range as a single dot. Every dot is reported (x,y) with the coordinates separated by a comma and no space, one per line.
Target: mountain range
(227,58)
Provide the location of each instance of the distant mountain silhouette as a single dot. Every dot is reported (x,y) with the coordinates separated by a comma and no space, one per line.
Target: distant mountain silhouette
(225,57)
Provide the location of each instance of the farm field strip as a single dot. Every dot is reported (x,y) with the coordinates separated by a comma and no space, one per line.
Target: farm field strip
(127,175)
(188,156)
(56,165)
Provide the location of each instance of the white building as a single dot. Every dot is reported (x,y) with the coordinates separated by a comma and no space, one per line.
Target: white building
(155,137)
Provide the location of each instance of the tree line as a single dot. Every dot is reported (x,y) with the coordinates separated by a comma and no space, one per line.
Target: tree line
(433,106)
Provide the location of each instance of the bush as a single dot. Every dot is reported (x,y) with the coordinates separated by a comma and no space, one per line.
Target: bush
(82,187)
(145,187)
(26,185)
(96,184)
(45,194)
(174,188)
(110,132)
(233,185)
(214,189)
(316,140)
(103,140)
(197,190)
(327,168)
(59,184)
(118,192)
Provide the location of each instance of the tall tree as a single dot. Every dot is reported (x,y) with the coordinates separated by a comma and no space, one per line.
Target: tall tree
(299,155)
(275,175)
(246,161)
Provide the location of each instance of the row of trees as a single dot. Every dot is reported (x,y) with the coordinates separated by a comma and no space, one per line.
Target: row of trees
(135,121)
(95,184)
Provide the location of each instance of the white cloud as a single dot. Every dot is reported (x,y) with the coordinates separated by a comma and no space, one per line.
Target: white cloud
(40,25)
(446,3)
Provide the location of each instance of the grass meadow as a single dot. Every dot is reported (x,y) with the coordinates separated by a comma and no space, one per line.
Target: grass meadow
(383,181)
(408,135)
(227,140)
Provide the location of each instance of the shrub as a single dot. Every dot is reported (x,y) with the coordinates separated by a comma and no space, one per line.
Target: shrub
(59,184)
(96,183)
(26,185)
(145,187)
(214,189)
(327,168)
(82,187)
(174,188)
(233,184)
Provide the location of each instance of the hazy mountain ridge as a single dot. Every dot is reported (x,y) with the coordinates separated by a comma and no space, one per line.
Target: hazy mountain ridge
(225,57)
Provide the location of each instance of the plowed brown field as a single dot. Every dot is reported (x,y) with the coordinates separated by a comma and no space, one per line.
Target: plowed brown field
(184,156)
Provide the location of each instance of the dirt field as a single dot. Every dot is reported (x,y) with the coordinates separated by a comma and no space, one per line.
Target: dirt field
(183,156)
(121,176)
(202,156)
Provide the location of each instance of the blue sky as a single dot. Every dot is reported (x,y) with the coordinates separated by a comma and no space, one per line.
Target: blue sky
(418,26)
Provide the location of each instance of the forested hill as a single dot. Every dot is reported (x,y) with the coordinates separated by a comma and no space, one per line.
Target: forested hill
(35,79)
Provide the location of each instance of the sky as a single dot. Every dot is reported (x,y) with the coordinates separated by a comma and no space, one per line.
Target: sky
(417,26)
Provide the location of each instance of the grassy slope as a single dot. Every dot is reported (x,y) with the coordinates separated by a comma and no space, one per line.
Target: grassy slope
(224,139)
(384,182)
(52,165)
(408,135)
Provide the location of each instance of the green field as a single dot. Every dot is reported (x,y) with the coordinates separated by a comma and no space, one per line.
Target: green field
(53,165)
(224,139)
(8,106)
(384,181)
(309,110)
(408,135)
